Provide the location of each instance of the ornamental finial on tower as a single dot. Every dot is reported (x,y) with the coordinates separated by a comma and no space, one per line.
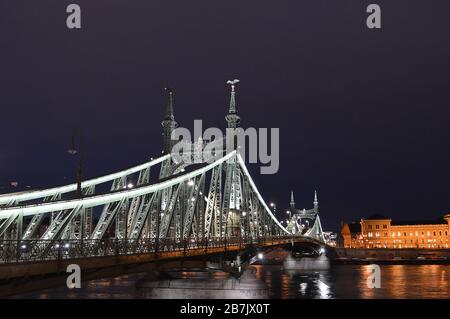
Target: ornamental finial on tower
(232,108)
(169,124)
(316,203)
(169,111)
(292,199)
(232,118)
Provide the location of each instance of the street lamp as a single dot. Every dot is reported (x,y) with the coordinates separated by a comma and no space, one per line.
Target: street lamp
(246,223)
(274,208)
(288,222)
(290,215)
(73,151)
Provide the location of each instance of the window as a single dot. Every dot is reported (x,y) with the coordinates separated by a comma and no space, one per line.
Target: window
(384,226)
(370,227)
(404,234)
(428,233)
(369,234)
(393,234)
(385,234)
(434,233)
(398,234)
(377,226)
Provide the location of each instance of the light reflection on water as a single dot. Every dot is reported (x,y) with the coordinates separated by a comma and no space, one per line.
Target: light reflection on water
(410,281)
(343,281)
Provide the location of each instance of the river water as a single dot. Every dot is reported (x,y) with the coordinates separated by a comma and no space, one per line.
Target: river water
(270,281)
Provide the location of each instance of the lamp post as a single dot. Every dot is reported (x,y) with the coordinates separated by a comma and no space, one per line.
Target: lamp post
(246,225)
(274,208)
(79,194)
(73,151)
(289,220)
(288,212)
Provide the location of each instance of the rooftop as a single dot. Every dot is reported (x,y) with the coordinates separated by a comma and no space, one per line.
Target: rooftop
(376,217)
(419,222)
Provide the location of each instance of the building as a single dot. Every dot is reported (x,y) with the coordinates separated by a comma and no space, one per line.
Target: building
(378,231)
(351,235)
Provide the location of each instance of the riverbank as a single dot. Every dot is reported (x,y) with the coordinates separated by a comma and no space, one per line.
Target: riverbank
(368,261)
(389,256)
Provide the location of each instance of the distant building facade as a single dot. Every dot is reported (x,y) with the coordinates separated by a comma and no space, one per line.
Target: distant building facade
(378,231)
(351,236)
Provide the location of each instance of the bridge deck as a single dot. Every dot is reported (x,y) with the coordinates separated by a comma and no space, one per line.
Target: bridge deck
(115,255)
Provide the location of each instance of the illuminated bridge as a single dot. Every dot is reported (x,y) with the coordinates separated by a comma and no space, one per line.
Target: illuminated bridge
(164,209)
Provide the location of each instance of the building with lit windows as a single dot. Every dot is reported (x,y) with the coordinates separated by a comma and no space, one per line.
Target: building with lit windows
(378,231)
(351,236)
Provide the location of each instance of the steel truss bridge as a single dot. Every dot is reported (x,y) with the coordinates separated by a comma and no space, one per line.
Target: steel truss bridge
(184,209)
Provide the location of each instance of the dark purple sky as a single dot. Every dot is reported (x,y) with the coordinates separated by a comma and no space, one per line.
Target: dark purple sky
(363,114)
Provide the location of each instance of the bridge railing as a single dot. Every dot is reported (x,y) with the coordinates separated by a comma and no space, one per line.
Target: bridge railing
(13,251)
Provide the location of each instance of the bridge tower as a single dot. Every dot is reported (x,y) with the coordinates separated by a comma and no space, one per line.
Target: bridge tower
(232,118)
(316,203)
(292,203)
(233,196)
(169,124)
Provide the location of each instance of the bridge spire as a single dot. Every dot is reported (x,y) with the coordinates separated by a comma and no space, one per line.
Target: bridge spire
(316,203)
(169,110)
(292,203)
(169,124)
(232,118)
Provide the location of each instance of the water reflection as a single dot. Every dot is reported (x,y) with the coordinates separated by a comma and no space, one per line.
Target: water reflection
(308,284)
(205,285)
(344,281)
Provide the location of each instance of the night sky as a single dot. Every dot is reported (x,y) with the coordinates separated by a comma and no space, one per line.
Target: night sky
(363,114)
